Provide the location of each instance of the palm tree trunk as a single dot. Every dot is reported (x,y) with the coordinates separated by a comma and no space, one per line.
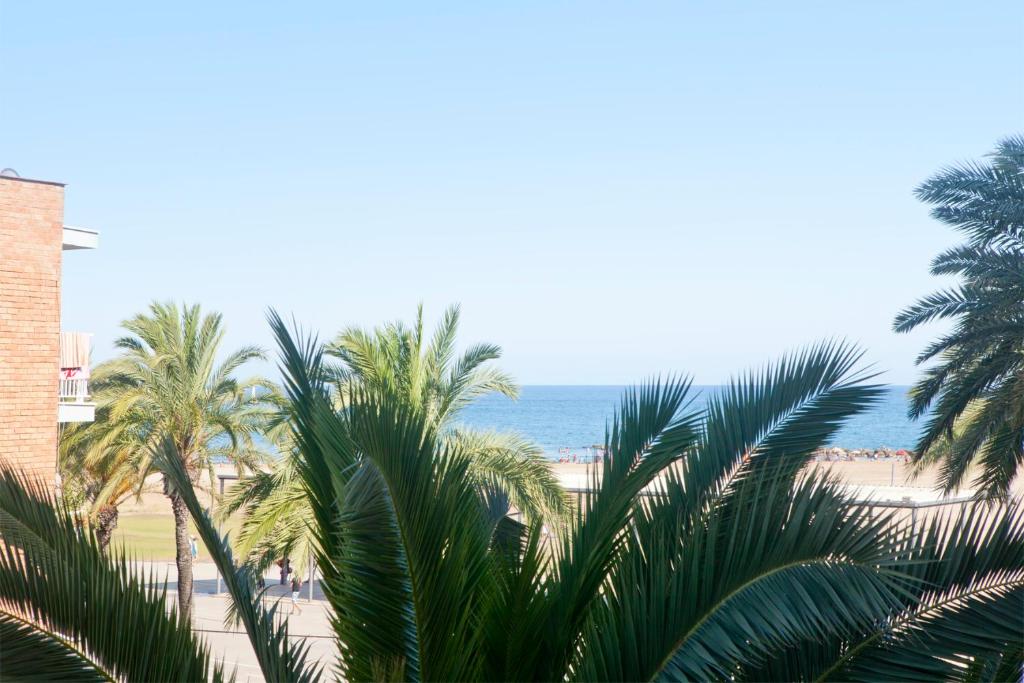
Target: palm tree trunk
(183,554)
(106,522)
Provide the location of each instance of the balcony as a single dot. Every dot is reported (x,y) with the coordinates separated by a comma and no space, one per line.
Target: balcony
(73,386)
(79,238)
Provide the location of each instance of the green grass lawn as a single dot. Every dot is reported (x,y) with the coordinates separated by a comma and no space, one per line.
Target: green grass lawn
(151,537)
(146,537)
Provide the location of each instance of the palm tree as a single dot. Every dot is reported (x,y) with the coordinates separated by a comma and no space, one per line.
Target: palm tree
(439,384)
(706,551)
(976,391)
(427,374)
(167,384)
(99,481)
(70,612)
(703,551)
(275,516)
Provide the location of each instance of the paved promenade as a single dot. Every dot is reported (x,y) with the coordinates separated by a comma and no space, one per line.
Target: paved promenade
(231,644)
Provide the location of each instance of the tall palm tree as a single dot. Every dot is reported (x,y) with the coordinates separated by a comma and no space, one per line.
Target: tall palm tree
(705,552)
(427,374)
(976,390)
(167,383)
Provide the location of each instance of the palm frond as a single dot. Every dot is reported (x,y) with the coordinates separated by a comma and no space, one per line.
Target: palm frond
(725,514)
(517,468)
(969,603)
(97,610)
(790,563)
(279,659)
(985,349)
(428,531)
(776,417)
(364,571)
(30,653)
(650,432)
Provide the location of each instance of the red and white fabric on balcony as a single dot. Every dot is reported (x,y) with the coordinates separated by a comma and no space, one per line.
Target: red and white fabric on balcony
(74,365)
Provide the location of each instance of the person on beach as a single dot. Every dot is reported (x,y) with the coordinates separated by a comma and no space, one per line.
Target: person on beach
(193,546)
(296,587)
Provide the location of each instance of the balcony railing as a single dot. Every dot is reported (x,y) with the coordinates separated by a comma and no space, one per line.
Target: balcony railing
(74,366)
(74,389)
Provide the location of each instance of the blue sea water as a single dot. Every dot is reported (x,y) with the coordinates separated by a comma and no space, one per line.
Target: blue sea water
(574,417)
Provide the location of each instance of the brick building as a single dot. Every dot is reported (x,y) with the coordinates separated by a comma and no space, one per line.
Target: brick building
(43,372)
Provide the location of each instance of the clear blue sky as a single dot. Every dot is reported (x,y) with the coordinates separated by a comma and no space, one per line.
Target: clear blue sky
(610,190)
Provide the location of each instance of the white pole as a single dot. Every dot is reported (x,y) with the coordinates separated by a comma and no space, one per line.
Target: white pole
(892,475)
(218,529)
(312,573)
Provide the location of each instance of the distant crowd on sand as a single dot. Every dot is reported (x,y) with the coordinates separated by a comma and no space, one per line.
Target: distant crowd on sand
(591,454)
(594,454)
(835,454)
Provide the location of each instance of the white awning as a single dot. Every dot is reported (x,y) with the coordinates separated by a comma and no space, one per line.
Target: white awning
(80,238)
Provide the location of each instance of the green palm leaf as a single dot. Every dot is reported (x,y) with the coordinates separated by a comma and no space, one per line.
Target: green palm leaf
(30,653)
(279,659)
(516,468)
(650,432)
(89,612)
(365,571)
(776,417)
(984,352)
(780,573)
(726,531)
(962,604)
(412,522)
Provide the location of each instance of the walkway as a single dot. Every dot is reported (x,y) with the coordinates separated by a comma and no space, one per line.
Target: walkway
(231,644)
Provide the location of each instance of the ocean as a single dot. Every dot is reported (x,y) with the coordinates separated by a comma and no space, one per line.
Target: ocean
(574,417)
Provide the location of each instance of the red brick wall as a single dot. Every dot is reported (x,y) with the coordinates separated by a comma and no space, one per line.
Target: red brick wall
(31,233)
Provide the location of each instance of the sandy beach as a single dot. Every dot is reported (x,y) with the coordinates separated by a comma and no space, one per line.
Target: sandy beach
(880,473)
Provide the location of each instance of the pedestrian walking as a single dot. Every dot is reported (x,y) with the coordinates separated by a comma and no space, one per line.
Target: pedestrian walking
(296,588)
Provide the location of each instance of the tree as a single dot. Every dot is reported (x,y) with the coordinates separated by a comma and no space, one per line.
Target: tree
(167,384)
(70,612)
(705,552)
(98,480)
(431,379)
(975,392)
